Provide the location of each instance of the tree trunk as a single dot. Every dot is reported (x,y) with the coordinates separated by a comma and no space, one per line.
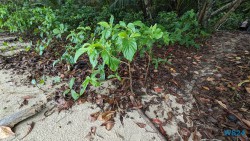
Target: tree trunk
(148,7)
(205,12)
(228,5)
(224,18)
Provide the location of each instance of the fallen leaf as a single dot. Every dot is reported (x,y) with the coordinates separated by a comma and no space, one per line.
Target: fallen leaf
(170,115)
(157,121)
(247,122)
(94,116)
(105,116)
(108,125)
(204,100)
(196,135)
(172,70)
(210,79)
(93,130)
(141,125)
(166,98)
(247,89)
(206,88)
(221,104)
(5,132)
(157,89)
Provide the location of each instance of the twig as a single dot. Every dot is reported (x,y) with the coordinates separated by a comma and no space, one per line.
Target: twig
(130,77)
(149,60)
(148,121)
(29,130)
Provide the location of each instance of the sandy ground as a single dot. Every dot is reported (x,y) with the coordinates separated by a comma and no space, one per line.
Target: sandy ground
(74,124)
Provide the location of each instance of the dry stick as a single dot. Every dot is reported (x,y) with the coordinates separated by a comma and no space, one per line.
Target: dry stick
(15,118)
(140,112)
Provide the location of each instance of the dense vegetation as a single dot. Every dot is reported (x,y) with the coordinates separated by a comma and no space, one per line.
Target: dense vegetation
(114,32)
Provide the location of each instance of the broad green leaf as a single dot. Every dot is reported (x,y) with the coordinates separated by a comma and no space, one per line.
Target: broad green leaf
(129,47)
(122,23)
(93,58)
(114,63)
(71,82)
(104,24)
(80,51)
(123,34)
(74,94)
(133,35)
(131,26)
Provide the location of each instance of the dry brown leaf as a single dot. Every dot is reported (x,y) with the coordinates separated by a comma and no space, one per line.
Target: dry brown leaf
(157,121)
(172,70)
(221,104)
(5,132)
(157,89)
(247,89)
(196,135)
(247,122)
(210,79)
(141,125)
(105,116)
(206,88)
(108,125)
(204,100)
(94,116)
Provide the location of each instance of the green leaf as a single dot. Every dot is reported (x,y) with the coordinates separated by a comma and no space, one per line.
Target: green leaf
(122,23)
(71,82)
(123,34)
(84,85)
(74,94)
(131,26)
(80,51)
(104,24)
(66,92)
(111,20)
(133,35)
(112,62)
(129,47)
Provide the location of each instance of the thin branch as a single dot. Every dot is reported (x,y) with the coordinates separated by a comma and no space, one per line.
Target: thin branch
(236,5)
(228,5)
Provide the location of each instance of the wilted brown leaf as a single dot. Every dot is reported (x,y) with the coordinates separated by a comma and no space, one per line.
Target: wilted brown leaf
(157,121)
(206,88)
(210,79)
(196,135)
(247,122)
(141,125)
(157,89)
(204,100)
(105,116)
(108,125)
(5,132)
(247,89)
(94,116)
(221,104)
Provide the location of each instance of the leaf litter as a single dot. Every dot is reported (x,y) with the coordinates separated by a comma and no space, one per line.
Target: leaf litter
(220,83)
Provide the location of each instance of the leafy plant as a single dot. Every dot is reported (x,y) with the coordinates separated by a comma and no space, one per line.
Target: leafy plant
(113,43)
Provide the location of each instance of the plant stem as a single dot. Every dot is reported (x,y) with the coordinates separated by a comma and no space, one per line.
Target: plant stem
(130,78)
